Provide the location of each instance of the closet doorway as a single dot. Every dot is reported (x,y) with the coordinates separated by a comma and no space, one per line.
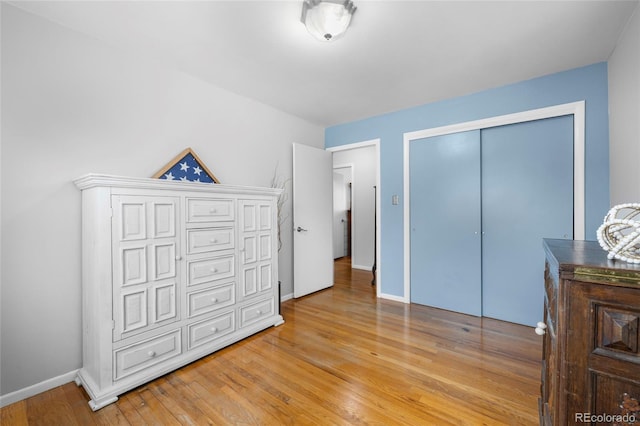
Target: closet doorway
(480,203)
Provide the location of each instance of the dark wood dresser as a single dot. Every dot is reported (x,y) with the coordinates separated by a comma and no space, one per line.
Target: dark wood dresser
(591,352)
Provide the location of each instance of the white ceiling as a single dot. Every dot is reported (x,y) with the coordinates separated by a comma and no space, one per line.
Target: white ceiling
(396,54)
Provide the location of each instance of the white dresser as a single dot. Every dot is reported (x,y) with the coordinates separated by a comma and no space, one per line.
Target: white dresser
(171,271)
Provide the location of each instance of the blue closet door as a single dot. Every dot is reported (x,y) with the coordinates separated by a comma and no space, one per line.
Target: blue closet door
(527,195)
(445,222)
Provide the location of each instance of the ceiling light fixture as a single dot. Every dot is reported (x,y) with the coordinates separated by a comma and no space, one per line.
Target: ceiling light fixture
(327,19)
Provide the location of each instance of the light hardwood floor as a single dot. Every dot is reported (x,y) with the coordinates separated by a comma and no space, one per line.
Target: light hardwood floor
(342,357)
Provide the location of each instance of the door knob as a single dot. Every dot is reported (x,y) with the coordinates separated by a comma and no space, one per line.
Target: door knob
(299,229)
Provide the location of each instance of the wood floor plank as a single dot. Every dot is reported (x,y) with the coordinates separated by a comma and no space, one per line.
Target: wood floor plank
(14,414)
(198,395)
(343,356)
(75,397)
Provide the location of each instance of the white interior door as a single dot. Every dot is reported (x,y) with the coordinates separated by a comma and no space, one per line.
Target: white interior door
(312,220)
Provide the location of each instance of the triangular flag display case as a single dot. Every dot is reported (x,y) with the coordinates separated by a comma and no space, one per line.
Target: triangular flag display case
(187,167)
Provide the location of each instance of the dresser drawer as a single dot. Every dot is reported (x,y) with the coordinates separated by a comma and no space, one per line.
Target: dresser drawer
(209,210)
(256,311)
(134,358)
(208,300)
(211,329)
(210,269)
(209,239)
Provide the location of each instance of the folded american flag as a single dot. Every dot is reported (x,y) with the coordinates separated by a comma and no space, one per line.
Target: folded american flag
(187,168)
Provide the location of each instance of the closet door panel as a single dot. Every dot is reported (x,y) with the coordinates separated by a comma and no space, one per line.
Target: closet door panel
(527,195)
(445,222)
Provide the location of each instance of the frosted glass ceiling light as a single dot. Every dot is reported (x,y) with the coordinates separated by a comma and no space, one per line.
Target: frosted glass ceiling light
(327,19)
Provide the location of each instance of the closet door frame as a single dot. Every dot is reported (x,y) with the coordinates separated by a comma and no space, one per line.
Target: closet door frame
(577,109)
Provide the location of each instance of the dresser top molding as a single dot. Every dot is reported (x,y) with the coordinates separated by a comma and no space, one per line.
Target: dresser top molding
(94,180)
(586,260)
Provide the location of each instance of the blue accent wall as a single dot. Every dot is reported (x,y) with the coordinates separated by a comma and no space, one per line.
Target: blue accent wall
(587,83)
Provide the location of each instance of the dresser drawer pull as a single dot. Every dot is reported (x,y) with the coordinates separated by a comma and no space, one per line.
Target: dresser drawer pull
(214,330)
(213,240)
(214,270)
(540,329)
(213,210)
(258,312)
(214,300)
(151,354)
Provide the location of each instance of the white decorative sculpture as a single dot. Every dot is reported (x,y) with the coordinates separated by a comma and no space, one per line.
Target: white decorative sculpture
(620,233)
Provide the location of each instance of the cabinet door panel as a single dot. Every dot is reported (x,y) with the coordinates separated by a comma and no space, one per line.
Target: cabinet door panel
(146,246)
(249,249)
(265,247)
(603,360)
(132,223)
(445,222)
(265,215)
(164,220)
(257,246)
(164,261)
(134,265)
(265,276)
(248,217)
(164,307)
(616,396)
(249,281)
(134,310)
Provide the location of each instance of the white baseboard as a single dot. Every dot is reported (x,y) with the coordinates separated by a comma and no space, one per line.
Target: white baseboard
(32,390)
(394,298)
(286,297)
(366,268)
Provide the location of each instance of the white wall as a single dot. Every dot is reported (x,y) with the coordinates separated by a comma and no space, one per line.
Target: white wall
(73,105)
(624,115)
(363,209)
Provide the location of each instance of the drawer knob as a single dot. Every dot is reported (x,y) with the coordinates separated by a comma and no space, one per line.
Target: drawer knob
(258,312)
(178,257)
(214,329)
(214,300)
(212,210)
(213,241)
(151,354)
(541,328)
(214,270)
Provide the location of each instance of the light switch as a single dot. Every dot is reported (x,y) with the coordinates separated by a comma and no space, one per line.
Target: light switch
(394,200)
